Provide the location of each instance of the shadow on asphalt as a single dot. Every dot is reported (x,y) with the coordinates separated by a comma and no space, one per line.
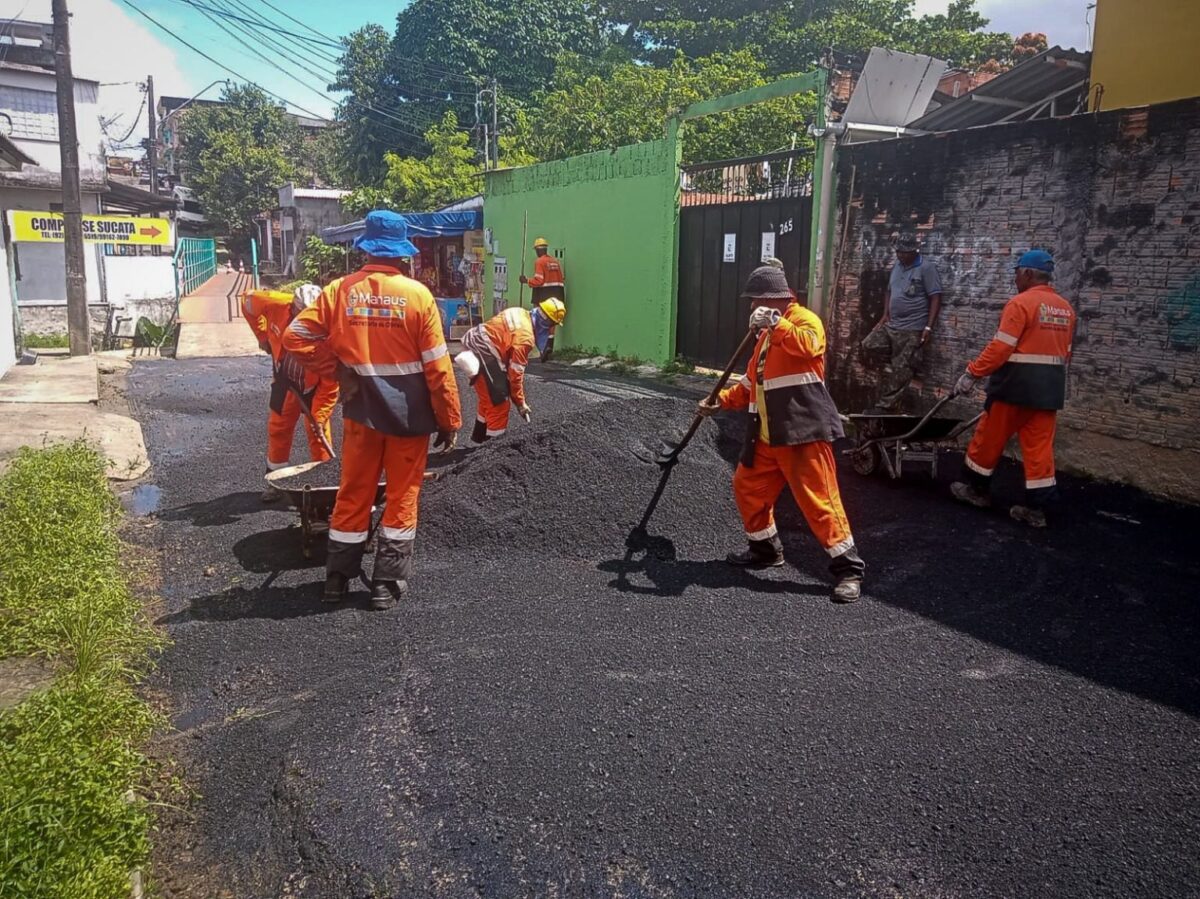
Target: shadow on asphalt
(671,578)
(217,512)
(278,550)
(274,603)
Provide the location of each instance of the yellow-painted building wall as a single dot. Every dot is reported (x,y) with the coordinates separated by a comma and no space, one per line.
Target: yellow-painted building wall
(1145,51)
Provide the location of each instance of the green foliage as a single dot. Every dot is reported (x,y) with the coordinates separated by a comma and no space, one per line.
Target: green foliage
(69,823)
(320,263)
(361,141)
(45,341)
(238,156)
(593,108)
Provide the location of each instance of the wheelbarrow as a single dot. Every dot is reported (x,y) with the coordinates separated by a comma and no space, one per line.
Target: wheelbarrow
(886,441)
(309,491)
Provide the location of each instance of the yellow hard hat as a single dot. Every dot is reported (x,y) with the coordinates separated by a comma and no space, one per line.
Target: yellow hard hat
(541,242)
(554,310)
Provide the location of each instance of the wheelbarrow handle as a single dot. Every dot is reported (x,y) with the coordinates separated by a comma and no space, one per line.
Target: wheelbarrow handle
(747,341)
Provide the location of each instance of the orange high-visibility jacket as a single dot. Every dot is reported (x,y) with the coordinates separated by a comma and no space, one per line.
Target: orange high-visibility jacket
(509,337)
(268,313)
(789,363)
(386,329)
(1027,359)
(547,272)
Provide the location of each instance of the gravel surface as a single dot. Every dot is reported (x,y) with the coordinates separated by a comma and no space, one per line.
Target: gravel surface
(553,714)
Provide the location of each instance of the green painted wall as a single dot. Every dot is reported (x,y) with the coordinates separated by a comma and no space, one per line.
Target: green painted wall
(614,217)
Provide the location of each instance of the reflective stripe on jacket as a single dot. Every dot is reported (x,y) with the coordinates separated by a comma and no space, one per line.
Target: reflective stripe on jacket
(1026,362)
(385,328)
(799,408)
(547,272)
(509,338)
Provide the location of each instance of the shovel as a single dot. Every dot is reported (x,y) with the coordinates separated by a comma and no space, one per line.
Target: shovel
(669,453)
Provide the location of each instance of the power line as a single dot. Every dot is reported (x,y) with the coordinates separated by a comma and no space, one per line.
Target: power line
(136,119)
(228,15)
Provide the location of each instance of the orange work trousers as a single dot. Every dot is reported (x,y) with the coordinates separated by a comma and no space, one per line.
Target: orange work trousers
(491,419)
(811,471)
(1035,433)
(281,426)
(366,455)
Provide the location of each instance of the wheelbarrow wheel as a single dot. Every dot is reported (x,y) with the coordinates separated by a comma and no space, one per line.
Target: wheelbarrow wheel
(865,459)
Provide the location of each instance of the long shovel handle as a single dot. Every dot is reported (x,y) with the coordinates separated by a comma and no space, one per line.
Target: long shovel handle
(747,341)
(317,429)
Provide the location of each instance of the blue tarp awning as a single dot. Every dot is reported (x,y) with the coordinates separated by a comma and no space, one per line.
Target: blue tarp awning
(420,224)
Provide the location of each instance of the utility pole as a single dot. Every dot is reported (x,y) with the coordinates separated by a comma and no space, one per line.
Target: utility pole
(78,325)
(495,124)
(152,143)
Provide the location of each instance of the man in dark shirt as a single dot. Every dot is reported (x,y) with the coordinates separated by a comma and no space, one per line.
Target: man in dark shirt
(914,301)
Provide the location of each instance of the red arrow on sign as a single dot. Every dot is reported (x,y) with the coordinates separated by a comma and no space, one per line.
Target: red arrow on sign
(150,232)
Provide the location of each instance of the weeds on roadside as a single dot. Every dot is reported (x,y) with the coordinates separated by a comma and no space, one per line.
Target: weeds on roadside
(70,823)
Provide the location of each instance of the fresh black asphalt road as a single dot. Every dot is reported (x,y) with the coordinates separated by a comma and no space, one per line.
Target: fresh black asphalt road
(553,714)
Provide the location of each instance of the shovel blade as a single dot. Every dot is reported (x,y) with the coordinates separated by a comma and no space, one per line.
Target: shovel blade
(668,454)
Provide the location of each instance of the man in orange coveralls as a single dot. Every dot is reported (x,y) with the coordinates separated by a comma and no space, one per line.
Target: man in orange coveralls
(789,438)
(548,280)
(268,312)
(1026,367)
(379,332)
(495,355)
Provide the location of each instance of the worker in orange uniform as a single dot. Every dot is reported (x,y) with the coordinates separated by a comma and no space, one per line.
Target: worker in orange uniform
(379,332)
(548,280)
(269,312)
(789,438)
(1026,367)
(494,359)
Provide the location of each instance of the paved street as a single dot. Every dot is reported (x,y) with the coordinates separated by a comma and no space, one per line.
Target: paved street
(551,714)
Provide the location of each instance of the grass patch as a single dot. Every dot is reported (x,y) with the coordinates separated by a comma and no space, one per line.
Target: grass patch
(678,366)
(45,341)
(70,822)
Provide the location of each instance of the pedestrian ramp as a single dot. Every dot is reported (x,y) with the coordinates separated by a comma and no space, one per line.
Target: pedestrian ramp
(210,319)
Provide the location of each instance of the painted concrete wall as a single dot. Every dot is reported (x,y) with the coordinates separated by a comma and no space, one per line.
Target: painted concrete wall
(8,351)
(613,218)
(1116,197)
(139,278)
(1144,51)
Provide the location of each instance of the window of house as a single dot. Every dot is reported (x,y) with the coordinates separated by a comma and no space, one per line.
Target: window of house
(34,113)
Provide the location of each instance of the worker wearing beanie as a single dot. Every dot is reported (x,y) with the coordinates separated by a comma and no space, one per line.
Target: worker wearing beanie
(380,333)
(548,280)
(269,312)
(495,356)
(789,438)
(1026,367)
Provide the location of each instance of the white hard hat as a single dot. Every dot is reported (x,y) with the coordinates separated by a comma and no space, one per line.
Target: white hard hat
(468,363)
(305,295)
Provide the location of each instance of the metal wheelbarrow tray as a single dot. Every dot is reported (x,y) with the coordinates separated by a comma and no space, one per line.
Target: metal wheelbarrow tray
(886,441)
(309,489)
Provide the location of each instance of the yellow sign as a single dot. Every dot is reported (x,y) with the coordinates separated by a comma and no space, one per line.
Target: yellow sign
(47,227)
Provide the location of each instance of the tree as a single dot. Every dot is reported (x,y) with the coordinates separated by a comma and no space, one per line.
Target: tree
(450,172)
(364,136)
(237,156)
(593,109)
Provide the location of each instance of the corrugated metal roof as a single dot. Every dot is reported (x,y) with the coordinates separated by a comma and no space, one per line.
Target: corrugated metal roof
(1010,95)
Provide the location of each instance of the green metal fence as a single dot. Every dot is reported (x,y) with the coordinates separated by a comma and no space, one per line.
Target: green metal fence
(195,263)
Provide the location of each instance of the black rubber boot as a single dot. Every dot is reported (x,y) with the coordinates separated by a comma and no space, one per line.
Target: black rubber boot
(848,568)
(479,432)
(759,554)
(385,594)
(337,585)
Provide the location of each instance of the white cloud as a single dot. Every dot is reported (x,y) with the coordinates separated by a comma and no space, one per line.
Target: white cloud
(107,45)
(1062,21)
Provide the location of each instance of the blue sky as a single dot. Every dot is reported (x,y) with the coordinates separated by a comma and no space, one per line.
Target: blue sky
(113,44)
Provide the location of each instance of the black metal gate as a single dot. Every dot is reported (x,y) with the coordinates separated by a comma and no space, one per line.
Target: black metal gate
(732,211)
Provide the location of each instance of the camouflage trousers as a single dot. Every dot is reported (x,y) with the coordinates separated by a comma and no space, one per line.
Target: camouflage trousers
(900,354)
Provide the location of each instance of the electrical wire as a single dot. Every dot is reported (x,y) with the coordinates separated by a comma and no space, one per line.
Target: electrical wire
(201,6)
(136,119)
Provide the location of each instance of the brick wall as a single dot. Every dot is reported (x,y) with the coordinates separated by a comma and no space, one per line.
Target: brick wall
(1116,197)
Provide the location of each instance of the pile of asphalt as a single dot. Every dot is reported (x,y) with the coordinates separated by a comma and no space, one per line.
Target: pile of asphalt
(577,485)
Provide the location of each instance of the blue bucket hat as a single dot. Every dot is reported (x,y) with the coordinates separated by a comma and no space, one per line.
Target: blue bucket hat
(1038,260)
(385,234)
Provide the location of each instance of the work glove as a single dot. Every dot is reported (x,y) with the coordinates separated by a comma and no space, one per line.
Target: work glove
(347,383)
(525,411)
(305,295)
(965,384)
(764,317)
(445,442)
(524,280)
(706,409)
